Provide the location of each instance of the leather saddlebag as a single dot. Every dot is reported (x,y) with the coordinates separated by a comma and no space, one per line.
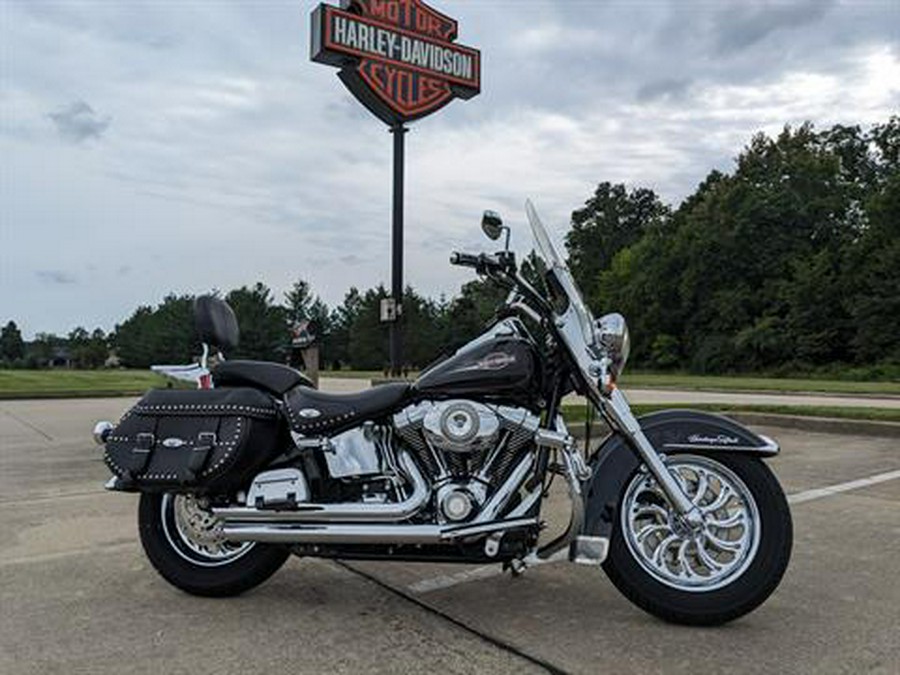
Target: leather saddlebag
(203,440)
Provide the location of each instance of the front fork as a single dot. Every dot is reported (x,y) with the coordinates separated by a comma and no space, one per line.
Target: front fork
(615,405)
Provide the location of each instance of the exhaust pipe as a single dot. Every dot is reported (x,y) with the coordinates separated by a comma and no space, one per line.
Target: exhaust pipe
(345,512)
(289,533)
(353,523)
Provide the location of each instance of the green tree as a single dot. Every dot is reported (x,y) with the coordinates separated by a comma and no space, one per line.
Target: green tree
(874,267)
(298,301)
(469,313)
(422,329)
(264,325)
(12,347)
(367,339)
(88,350)
(788,261)
(302,305)
(611,220)
(340,322)
(160,335)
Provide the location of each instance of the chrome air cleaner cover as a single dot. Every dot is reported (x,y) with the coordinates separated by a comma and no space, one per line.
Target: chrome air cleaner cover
(461,426)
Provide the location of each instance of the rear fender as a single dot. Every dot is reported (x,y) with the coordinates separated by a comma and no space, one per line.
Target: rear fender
(669,431)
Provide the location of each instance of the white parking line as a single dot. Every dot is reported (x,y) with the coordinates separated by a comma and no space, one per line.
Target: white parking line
(483,572)
(488,571)
(819,493)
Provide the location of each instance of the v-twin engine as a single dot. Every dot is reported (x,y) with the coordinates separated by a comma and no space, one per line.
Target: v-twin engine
(467,448)
(463,439)
(447,471)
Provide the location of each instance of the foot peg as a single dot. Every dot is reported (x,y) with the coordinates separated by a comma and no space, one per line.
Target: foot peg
(588,550)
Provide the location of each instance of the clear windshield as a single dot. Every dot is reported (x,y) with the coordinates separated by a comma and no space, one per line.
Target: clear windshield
(545,248)
(547,252)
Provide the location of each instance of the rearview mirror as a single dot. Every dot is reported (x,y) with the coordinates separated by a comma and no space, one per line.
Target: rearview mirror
(492,225)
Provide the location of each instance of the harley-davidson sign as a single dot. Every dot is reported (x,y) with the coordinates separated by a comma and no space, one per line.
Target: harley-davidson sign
(396,56)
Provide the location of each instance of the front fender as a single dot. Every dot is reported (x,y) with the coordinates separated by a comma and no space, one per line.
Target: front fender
(668,431)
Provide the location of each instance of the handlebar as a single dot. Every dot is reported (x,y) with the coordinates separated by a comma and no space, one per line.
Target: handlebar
(482,263)
(502,268)
(464,259)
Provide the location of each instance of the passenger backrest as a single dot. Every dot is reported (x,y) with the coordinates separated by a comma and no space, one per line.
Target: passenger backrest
(216,323)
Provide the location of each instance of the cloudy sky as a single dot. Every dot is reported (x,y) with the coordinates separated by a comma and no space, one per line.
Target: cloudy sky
(183,146)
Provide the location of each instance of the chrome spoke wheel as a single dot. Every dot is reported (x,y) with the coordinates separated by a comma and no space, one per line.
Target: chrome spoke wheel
(195,534)
(701,558)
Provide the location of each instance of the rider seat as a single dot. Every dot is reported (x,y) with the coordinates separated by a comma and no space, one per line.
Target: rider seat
(315,412)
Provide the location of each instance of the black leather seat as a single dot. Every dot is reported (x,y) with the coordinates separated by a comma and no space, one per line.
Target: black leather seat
(272,377)
(313,412)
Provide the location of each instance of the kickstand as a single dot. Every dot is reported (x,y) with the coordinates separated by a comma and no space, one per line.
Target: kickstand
(516,567)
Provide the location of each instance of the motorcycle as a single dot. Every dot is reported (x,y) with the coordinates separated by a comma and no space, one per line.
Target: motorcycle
(678,506)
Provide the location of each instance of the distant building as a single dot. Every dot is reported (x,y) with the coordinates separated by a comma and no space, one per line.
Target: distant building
(60,358)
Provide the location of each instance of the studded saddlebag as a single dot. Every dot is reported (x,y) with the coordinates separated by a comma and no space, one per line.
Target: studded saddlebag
(193,440)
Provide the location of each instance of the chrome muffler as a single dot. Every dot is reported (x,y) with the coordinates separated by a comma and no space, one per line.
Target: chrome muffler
(324,533)
(354,523)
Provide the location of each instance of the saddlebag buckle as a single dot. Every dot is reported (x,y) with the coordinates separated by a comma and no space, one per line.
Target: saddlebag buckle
(139,457)
(206,441)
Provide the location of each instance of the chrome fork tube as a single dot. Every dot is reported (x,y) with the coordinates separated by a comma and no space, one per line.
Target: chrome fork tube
(618,409)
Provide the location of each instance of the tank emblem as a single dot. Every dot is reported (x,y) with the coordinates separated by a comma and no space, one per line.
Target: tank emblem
(495,361)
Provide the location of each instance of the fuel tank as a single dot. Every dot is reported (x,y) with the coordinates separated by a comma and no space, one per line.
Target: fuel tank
(501,365)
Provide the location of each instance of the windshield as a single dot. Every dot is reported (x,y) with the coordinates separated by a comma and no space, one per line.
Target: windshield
(555,265)
(545,248)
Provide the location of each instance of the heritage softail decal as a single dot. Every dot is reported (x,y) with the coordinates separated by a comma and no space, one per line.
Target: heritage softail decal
(396,56)
(720,439)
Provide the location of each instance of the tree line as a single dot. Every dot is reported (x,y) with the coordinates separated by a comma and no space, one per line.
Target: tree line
(80,348)
(350,335)
(790,263)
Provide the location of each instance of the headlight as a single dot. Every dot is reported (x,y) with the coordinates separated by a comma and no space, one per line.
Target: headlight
(613,338)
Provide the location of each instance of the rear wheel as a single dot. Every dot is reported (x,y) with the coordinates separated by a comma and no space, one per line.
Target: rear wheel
(184,543)
(712,573)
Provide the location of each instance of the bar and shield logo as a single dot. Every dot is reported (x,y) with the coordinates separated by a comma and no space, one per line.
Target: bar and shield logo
(398,57)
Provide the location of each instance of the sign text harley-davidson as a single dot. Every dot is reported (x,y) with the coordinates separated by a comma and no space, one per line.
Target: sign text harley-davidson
(396,56)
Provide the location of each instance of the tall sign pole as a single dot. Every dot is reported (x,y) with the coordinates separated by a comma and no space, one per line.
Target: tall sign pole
(399,59)
(396,333)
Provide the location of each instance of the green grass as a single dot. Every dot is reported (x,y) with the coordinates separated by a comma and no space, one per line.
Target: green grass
(648,380)
(82,383)
(639,380)
(576,413)
(78,383)
(351,374)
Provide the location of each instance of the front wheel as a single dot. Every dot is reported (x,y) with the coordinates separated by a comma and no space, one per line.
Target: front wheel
(183,541)
(712,573)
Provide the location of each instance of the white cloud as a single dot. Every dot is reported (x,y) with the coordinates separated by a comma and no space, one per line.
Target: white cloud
(230,158)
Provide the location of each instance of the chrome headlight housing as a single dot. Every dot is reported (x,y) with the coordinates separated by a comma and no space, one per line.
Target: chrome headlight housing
(613,339)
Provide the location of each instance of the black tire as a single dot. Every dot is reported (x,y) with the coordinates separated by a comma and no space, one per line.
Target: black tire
(189,570)
(742,595)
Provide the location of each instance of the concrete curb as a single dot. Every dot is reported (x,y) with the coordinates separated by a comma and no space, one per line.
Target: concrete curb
(825,425)
(821,425)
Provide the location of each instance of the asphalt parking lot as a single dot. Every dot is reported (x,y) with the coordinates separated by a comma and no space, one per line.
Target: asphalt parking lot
(77,595)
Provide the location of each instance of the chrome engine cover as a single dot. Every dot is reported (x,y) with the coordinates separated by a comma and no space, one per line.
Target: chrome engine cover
(353,453)
(465,439)
(461,426)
